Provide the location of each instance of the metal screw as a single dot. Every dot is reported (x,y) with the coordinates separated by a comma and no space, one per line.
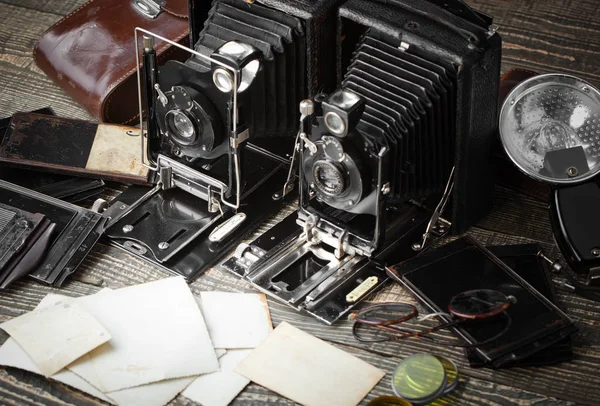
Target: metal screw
(572,171)
(417,246)
(163,245)
(596,252)
(586,89)
(128,228)
(555,266)
(386,189)
(350,202)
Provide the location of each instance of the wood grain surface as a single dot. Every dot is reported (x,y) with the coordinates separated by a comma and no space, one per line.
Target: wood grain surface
(546,36)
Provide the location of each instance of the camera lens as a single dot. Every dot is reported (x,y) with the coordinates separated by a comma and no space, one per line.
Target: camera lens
(181,125)
(328,178)
(335,123)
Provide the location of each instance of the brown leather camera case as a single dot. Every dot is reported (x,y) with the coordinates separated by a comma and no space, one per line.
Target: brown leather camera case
(91,53)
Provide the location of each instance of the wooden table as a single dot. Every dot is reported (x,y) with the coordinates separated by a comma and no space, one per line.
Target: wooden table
(546,36)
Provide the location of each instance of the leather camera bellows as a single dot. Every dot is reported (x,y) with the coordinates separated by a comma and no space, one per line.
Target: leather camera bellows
(281,39)
(410,102)
(447,55)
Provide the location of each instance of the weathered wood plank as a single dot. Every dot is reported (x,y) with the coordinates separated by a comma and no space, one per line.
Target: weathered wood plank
(547,36)
(119,269)
(26,387)
(60,8)
(24,86)
(518,215)
(20,387)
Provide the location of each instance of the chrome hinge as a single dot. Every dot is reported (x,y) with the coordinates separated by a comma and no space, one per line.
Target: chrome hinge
(148,8)
(242,137)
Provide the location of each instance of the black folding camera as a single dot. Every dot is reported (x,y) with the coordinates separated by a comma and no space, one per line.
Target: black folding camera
(409,129)
(221,126)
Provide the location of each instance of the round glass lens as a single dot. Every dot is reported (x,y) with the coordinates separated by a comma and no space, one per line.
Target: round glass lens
(550,125)
(181,125)
(451,374)
(328,178)
(420,379)
(478,304)
(335,123)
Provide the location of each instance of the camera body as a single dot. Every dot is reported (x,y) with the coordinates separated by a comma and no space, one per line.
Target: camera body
(408,130)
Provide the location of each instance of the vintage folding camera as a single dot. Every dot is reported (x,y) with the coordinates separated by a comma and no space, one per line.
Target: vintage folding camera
(408,131)
(221,126)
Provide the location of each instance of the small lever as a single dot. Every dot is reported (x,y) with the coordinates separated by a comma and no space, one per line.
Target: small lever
(161,96)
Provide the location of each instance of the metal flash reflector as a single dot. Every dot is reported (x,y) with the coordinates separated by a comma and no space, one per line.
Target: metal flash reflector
(550,128)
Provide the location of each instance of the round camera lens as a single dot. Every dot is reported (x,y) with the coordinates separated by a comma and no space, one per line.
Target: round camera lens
(335,123)
(181,125)
(223,80)
(328,178)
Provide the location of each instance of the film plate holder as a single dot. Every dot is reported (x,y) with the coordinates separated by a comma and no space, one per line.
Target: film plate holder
(76,232)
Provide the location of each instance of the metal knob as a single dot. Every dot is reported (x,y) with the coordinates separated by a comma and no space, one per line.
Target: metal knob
(148,43)
(307,107)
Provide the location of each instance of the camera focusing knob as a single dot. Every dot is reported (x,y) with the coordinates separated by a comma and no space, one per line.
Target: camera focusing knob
(333,149)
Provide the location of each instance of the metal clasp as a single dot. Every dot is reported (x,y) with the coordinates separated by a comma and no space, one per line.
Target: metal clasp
(148,8)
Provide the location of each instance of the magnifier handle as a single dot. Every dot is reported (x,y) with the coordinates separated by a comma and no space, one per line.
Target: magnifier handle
(575,217)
